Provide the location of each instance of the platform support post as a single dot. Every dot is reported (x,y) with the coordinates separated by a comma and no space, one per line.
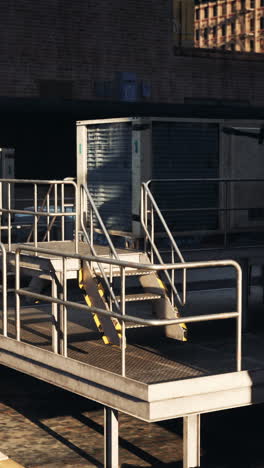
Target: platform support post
(111,455)
(191,441)
(54,309)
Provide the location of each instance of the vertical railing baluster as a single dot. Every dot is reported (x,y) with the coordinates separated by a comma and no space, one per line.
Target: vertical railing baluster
(17,266)
(35,216)
(62,212)
(152,234)
(4,290)
(172,275)
(1,206)
(123,312)
(55,201)
(91,226)
(239,320)
(78,214)
(146,216)
(9,227)
(54,313)
(65,318)
(48,218)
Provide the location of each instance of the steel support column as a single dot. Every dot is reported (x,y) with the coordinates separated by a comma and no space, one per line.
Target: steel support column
(191,441)
(111,455)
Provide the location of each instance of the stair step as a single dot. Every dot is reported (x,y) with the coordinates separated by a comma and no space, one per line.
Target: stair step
(116,273)
(140,297)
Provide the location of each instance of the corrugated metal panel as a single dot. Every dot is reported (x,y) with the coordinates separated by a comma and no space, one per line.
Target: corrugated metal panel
(109,172)
(186,150)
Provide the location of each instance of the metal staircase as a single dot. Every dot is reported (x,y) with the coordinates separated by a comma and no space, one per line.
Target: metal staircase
(102,285)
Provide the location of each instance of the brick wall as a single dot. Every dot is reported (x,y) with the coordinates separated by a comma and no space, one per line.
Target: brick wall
(83,41)
(47,44)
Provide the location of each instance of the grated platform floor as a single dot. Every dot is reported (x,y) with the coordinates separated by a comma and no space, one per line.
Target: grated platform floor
(150,360)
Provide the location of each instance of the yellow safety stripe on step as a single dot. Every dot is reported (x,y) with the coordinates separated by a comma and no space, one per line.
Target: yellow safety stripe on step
(100,289)
(162,285)
(96,318)
(88,300)
(184,327)
(80,278)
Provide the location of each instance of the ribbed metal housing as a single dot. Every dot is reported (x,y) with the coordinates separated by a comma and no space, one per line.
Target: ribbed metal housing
(109,172)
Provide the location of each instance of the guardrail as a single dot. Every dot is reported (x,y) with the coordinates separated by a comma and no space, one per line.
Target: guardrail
(149,209)
(49,203)
(88,208)
(230,203)
(121,315)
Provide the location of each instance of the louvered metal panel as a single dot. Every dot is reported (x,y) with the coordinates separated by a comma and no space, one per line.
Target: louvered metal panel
(109,172)
(186,150)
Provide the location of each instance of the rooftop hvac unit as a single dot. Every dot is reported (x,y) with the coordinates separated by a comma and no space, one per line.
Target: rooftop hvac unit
(114,156)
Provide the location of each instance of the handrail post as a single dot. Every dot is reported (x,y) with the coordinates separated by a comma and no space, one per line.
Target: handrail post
(65,314)
(239,319)
(62,211)
(9,227)
(18,332)
(35,215)
(152,228)
(54,313)
(123,326)
(4,290)
(1,206)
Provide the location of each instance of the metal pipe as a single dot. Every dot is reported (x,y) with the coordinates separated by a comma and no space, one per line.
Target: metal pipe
(100,221)
(150,196)
(152,233)
(62,211)
(17,259)
(38,213)
(48,218)
(143,266)
(1,206)
(239,319)
(9,216)
(65,318)
(4,288)
(35,215)
(76,218)
(123,312)
(54,313)
(130,318)
(221,179)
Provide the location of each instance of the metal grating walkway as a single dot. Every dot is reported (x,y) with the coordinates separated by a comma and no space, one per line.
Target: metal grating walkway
(160,360)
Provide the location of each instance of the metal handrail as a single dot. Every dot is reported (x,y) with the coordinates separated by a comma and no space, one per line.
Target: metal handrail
(145,196)
(223,210)
(89,239)
(123,317)
(36,213)
(95,211)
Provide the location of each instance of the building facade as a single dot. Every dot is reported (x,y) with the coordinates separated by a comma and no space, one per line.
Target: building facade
(235,25)
(63,61)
